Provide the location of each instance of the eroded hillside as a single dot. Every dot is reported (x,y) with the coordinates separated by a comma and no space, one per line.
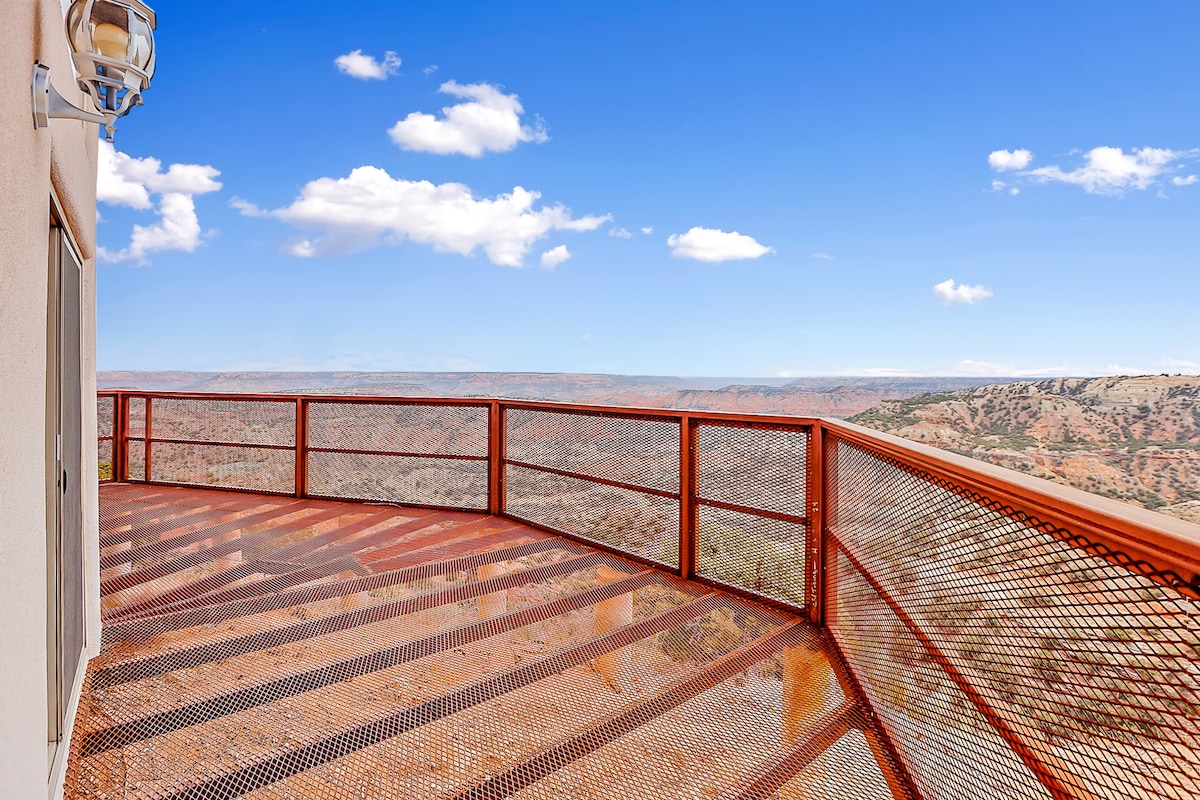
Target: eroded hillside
(1133,438)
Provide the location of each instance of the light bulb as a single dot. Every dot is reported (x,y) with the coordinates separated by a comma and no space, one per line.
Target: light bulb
(111,40)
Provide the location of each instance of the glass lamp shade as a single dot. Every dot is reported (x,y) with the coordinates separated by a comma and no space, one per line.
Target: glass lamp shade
(112,44)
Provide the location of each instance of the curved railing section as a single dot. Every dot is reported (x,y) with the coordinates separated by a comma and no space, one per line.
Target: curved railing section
(1013,637)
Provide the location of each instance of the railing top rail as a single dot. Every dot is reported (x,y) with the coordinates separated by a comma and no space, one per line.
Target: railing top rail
(282,397)
(507,402)
(1164,542)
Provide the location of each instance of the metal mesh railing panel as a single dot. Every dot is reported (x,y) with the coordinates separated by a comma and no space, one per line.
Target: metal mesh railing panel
(104,462)
(948,747)
(105,415)
(643,524)
(756,467)
(1033,646)
(630,450)
(135,444)
(135,425)
(105,436)
(399,479)
(759,554)
(260,422)
(399,428)
(223,467)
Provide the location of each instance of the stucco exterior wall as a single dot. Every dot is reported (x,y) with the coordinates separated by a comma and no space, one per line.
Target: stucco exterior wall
(31,161)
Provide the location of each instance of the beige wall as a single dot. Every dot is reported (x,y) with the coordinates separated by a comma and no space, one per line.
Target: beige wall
(64,155)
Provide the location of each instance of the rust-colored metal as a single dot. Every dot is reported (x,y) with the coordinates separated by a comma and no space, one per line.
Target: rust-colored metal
(687,497)
(615,475)
(533,768)
(633,487)
(1028,755)
(301,447)
(148,435)
(120,441)
(795,519)
(895,771)
(358,452)
(496,458)
(815,490)
(1130,534)
(822,735)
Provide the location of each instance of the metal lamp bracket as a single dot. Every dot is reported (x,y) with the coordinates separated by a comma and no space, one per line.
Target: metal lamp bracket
(48,104)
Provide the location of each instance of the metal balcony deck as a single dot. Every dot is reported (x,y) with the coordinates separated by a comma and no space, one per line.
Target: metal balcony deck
(270,647)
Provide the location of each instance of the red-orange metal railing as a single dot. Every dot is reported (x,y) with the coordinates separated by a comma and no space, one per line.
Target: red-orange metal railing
(1011,636)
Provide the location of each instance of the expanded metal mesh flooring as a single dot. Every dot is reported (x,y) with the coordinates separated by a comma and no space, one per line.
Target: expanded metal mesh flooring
(267,647)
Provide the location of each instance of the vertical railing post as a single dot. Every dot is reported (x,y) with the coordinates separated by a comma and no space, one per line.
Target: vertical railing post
(497,452)
(149,433)
(815,497)
(687,497)
(119,444)
(301,447)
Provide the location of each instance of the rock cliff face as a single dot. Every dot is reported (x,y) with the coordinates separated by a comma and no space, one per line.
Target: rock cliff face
(1134,438)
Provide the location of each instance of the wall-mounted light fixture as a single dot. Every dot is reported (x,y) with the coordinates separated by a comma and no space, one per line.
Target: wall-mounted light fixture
(112,45)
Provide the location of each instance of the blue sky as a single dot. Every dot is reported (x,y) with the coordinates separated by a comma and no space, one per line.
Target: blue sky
(310,213)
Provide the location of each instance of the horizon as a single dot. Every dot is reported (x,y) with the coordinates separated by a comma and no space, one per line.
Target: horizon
(778,191)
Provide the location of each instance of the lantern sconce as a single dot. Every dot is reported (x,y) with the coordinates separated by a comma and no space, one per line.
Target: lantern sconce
(112,45)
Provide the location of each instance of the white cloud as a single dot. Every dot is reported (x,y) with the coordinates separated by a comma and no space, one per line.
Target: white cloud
(555,256)
(1112,171)
(432,68)
(488,120)
(948,293)
(1014,191)
(369,208)
(710,244)
(647,230)
(1188,181)
(358,65)
(124,180)
(620,233)
(821,256)
(246,208)
(991,369)
(1005,160)
(1183,365)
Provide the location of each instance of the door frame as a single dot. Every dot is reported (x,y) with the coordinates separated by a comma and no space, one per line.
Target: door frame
(62,690)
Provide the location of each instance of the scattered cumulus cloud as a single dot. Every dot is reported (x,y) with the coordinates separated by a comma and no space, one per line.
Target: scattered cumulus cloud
(369,208)
(432,68)
(246,208)
(951,294)
(1005,160)
(123,180)
(821,256)
(620,233)
(555,256)
(1112,171)
(647,230)
(1103,170)
(486,120)
(712,245)
(357,64)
